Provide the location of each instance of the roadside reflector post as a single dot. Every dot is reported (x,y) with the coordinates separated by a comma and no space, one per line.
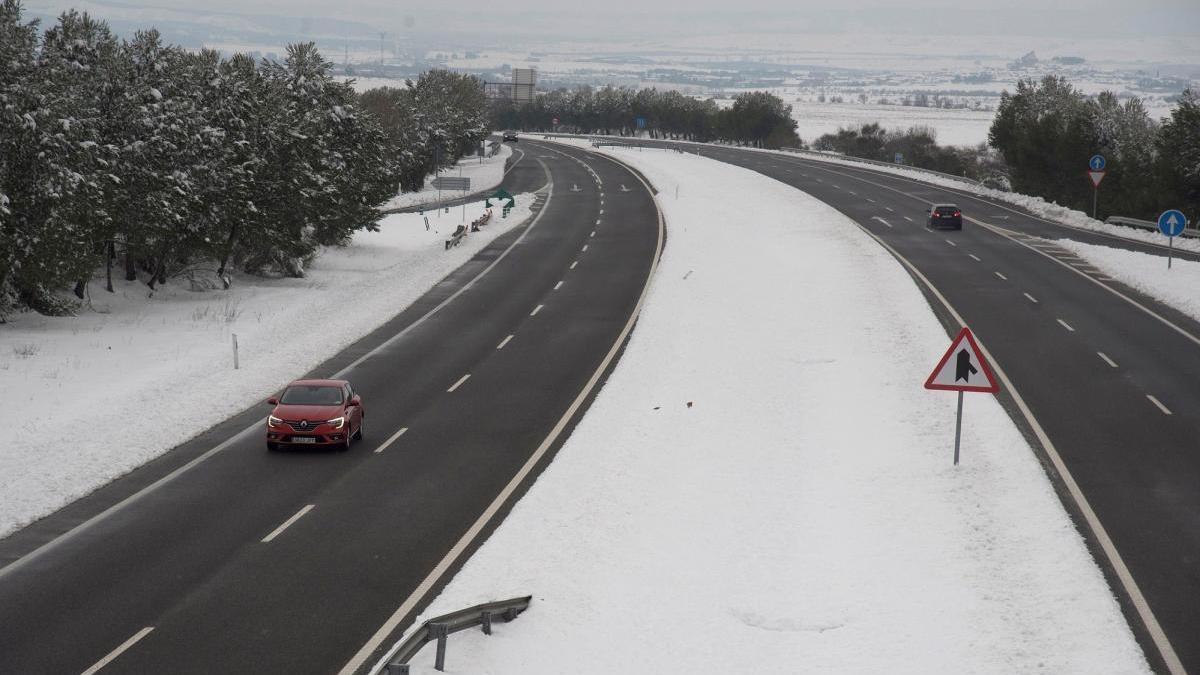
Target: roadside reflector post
(486,622)
(962,369)
(235,352)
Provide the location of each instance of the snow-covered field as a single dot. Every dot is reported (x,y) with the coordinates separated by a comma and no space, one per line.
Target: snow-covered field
(953,126)
(763,486)
(485,173)
(133,361)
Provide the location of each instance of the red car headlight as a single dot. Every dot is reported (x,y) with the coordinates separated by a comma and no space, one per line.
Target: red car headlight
(337,422)
(273,421)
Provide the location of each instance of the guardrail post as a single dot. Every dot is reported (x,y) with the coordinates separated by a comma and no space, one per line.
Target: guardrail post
(395,669)
(510,613)
(486,622)
(439,631)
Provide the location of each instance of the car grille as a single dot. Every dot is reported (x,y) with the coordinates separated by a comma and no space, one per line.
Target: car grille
(308,428)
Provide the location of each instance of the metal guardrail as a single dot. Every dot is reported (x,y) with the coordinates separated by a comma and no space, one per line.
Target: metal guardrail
(1148,225)
(440,627)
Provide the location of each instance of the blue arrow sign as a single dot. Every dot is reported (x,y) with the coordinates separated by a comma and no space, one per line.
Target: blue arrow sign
(1097,163)
(1171,223)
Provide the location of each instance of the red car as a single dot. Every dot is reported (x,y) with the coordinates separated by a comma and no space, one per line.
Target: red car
(315,412)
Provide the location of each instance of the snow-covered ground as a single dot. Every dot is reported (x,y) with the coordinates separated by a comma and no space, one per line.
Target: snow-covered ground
(485,173)
(763,485)
(134,361)
(953,126)
(1176,287)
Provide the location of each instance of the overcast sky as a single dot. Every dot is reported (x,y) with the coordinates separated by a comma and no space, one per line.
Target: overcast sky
(1082,18)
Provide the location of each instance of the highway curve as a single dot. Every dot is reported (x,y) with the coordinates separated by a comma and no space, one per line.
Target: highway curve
(167,571)
(1103,380)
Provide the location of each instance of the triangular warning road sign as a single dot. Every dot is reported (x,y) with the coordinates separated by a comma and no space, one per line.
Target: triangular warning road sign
(963,368)
(1096,177)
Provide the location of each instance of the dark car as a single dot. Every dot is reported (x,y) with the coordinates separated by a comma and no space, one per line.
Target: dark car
(945,216)
(510,136)
(315,413)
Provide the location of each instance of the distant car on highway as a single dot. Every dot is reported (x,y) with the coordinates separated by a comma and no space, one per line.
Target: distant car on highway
(945,216)
(510,135)
(324,413)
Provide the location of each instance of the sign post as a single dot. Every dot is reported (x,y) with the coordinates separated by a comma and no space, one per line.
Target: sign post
(962,369)
(1171,223)
(1096,172)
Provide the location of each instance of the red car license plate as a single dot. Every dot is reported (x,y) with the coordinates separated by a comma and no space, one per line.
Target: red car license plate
(303,439)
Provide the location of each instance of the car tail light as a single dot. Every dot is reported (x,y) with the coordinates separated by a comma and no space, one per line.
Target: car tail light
(957,214)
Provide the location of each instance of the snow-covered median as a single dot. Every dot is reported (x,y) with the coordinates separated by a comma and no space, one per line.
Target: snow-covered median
(763,485)
(86,397)
(485,174)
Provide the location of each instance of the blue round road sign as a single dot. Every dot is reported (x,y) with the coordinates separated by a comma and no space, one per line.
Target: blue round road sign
(1097,163)
(1171,223)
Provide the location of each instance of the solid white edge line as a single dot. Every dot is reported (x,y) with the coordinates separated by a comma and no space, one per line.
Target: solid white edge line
(1066,325)
(504,342)
(440,569)
(459,383)
(1001,276)
(1031,298)
(287,523)
(118,651)
(392,439)
(1124,576)
(1163,408)
(1107,360)
(85,525)
(536,310)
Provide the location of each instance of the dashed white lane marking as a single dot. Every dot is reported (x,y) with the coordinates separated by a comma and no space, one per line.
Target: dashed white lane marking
(504,342)
(870,200)
(558,286)
(584,248)
(464,378)
(852,192)
(118,651)
(837,187)
(1002,276)
(1031,298)
(1165,410)
(287,523)
(1066,325)
(890,209)
(881,220)
(950,242)
(592,234)
(597,221)
(392,439)
(574,264)
(1107,360)
(536,310)
(908,219)
(974,257)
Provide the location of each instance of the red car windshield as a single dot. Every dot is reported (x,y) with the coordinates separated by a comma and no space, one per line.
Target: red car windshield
(311,395)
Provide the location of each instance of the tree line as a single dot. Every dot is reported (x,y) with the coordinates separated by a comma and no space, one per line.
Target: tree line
(755,118)
(162,161)
(1046,131)
(916,146)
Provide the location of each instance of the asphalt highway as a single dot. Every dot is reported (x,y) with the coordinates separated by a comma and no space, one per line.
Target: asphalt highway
(222,557)
(1111,376)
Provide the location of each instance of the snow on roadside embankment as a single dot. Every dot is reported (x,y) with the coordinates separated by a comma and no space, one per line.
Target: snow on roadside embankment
(89,398)
(1146,272)
(485,174)
(803,515)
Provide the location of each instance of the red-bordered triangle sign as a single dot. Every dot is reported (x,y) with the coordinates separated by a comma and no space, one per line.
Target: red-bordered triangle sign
(963,368)
(1096,177)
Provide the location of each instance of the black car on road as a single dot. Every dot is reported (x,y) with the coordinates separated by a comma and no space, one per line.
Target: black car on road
(945,216)
(510,136)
